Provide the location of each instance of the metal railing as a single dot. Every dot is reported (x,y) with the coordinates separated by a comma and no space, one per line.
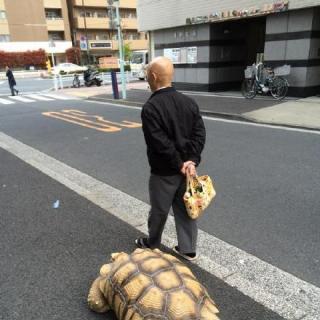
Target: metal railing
(66,81)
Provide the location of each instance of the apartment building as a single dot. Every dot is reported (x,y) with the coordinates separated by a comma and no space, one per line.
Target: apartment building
(93,24)
(32,24)
(212,42)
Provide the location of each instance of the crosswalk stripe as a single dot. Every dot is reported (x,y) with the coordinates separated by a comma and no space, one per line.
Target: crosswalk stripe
(22,99)
(5,101)
(38,97)
(57,96)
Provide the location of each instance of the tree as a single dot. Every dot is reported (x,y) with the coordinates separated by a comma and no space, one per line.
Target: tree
(127,52)
(73,55)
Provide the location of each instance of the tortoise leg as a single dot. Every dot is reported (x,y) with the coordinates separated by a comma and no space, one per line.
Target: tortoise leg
(96,301)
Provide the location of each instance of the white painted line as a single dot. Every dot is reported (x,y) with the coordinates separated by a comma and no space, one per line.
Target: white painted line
(58,96)
(38,97)
(22,99)
(277,290)
(4,101)
(269,126)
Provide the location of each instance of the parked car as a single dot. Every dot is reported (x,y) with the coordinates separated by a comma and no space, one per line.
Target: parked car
(68,68)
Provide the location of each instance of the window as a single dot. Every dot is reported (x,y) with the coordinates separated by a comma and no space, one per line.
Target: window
(4,38)
(3,14)
(53,14)
(58,35)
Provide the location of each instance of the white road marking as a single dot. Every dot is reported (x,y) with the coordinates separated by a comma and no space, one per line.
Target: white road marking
(5,101)
(38,97)
(22,99)
(279,291)
(245,123)
(59,97)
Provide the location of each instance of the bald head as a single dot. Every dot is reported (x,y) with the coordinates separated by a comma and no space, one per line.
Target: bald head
(160,73)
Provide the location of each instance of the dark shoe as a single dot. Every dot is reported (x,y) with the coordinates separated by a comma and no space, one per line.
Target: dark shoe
(142,243)
(192,256)
(17,92)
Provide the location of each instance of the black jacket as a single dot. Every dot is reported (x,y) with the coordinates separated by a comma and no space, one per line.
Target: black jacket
(174,131)
(12,81)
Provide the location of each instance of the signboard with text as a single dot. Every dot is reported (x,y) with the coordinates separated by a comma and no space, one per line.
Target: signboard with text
(267,8)
(182,55)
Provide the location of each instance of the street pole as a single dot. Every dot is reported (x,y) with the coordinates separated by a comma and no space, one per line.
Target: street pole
(52,45)
(86,31)
(121,54)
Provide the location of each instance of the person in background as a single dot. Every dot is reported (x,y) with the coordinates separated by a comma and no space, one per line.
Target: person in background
(12,81)
(175,136)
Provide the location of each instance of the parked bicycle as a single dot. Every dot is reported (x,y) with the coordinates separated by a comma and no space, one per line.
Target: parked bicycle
(76,81)
(262,80)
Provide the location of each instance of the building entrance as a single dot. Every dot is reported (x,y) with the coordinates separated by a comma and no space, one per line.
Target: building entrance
(233,46)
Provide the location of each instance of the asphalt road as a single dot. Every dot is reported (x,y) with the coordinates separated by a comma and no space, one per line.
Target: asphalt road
(267,182)
(26,85)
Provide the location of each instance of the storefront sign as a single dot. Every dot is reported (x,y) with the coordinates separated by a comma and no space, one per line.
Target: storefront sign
(236,14)
(100,45)
(182,55)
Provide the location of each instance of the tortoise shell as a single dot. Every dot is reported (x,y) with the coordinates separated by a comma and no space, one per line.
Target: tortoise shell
(149,284)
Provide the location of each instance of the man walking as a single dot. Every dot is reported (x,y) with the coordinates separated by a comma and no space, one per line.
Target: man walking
(175,136)
(12,81)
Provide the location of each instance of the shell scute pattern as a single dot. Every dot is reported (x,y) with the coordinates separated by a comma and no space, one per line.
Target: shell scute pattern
(149,284)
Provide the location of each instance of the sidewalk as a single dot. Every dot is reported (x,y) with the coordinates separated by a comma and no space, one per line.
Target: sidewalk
(301,113)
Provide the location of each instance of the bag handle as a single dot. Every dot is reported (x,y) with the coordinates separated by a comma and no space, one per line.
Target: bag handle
(189,183)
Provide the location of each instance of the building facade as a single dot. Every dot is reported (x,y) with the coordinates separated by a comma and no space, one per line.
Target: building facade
(33,24)
(212,42)
(95,31)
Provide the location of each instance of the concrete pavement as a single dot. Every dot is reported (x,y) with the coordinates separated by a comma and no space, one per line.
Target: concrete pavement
(302,113)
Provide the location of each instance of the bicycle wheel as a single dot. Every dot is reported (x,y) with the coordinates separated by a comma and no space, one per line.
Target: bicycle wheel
(249,88)
(279,88)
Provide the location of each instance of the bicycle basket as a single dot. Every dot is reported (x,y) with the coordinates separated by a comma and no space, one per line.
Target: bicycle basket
(248,72)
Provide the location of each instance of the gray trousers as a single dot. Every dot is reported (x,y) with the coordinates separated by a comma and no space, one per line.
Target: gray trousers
(167,191)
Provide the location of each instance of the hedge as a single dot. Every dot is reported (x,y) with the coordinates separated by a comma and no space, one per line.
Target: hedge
(23,59)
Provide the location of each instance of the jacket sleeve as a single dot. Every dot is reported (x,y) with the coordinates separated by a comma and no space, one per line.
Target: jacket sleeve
(157,138)
(198,138)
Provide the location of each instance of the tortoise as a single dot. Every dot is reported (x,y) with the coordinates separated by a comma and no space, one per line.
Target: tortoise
(149,284)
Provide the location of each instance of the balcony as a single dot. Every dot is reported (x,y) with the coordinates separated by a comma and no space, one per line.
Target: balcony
(134,44)
(90,3)
(52,4)
(132,4)
(4,28)
(127,23)
(92,23)
(56,24)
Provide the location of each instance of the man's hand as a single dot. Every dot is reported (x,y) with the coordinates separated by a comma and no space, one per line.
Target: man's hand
(188,168)
(191,170)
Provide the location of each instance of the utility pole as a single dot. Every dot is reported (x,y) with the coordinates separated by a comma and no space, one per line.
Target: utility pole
(120,45)
(52,45)
(86,31)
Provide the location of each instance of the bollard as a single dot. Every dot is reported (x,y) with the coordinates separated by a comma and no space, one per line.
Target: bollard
(115,89)
(60,81)
(55,82)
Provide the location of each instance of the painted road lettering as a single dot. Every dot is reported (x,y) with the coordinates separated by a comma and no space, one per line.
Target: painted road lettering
(91,121)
